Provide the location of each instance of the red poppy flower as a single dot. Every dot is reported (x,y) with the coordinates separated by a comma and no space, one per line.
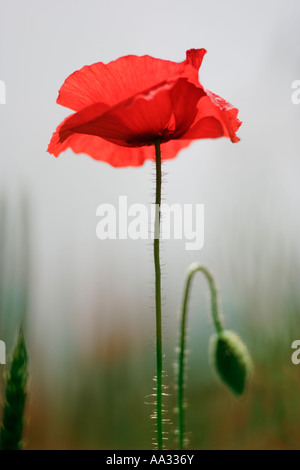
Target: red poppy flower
(123,106)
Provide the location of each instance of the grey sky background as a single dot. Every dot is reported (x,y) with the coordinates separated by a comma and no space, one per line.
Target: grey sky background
(83,287)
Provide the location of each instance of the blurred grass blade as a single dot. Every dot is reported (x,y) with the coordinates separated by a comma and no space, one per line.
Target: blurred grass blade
(15,398)
(3,223)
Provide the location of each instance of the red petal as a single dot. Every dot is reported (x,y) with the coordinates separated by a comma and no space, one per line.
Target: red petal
(194,58)
(205,128)
(134,122)
(141,119)
(123,78)
(216,118)
(115,155)
(77,119)
(184,98)
(229,115)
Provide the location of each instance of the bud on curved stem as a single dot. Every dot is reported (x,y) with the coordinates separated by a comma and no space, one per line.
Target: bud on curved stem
(229,353)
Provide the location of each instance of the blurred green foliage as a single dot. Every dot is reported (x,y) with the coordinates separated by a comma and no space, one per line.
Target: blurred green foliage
(100,404)
(11,430)
(97,399)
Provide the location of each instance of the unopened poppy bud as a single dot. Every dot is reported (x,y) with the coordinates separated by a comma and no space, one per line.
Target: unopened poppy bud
(232,360)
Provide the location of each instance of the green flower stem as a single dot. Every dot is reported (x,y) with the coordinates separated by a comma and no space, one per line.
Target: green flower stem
(194,268)
(159,413)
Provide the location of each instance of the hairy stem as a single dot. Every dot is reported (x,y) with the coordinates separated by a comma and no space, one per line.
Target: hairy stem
(159,419)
